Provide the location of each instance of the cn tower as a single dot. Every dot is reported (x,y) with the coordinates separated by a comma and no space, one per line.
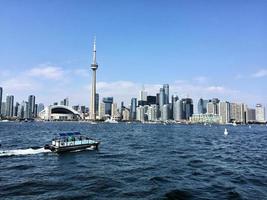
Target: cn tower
(94,67)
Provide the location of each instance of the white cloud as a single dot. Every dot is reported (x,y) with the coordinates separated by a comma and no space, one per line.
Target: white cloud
(200,79)
(47,71)
(19,84)
(259,74)
(82,72)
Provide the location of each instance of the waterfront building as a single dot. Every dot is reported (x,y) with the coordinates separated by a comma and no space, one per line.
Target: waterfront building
(206,118)
(20,111)
(96,103)
(251,115)
(161,97)
(16,109)
(140,113)
(174,99)
(114,111)
(9,105)
(260,113)
(26,110)
(35,114)
(152,112)
(165,113)
(31,106)
(237,112)
(126,114)
(3,109)
(108,101)
(59,113)
(202,106)
(188,108)
(1,97)
(166,93)
(178,110)
(94,67)
(101,110)
(133,108)
(224,112)
(210,108)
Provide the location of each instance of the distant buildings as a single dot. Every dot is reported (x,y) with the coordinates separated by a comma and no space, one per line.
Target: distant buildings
(1,96)
(260,113)
(9,106)
(108,101)
(133,108)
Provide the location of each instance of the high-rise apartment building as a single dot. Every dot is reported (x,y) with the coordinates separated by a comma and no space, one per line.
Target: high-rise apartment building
(202,106)
(166,93)
(260,113)
(178,110)
(165,114)
(188,108)
(140,113)
(133,108)
(224,112)
(9,105)
(108,101)
(31,106)
(251,115)
(1,97)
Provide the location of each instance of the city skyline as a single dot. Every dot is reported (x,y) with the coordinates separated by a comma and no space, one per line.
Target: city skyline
(197,55)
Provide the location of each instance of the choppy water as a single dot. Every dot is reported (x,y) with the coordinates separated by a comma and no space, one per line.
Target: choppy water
(135,161)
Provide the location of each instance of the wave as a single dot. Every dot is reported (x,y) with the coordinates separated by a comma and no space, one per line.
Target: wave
(19,152)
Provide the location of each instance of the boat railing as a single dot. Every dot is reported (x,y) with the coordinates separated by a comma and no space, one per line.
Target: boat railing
(71,141)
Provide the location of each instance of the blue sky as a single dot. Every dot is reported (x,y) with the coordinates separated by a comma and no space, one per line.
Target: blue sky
(201,48)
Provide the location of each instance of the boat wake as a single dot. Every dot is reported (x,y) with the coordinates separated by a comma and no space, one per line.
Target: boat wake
(19,152)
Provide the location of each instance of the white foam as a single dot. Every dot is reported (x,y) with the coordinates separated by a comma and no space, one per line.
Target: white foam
(23,152)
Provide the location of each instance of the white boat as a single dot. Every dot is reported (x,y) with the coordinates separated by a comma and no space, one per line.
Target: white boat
(234,124)
(71,141)
(225,131)
(111,121)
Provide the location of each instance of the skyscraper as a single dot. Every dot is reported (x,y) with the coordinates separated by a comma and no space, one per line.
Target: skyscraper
(174,99)
(161,97)
(251,115)
(108,101)
(166,93)
(94,67)
(260,113)
(224,112)
(133,108)
(143,95)
(96,103)
(202,106)
(188,108)
(9,105)
(165,112)
(178,110)
(31,107)
(1,96)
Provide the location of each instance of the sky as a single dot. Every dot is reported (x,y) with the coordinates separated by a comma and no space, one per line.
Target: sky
(201,48)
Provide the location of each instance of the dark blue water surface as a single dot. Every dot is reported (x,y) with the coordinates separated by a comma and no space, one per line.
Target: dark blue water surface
(135,161)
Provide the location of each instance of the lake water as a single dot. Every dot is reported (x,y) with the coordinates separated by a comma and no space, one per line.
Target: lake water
(135,161)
